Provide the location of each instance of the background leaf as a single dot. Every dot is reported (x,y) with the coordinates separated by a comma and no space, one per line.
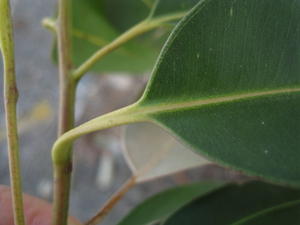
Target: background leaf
(125,14)
(151,152)
(227,83)
(160,206)
(135,56)
(164,7)
(96,23)
(230,204)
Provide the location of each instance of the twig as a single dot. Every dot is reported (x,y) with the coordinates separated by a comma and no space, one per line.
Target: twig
(108,206)
(11,98)
(67,85)
(62,173)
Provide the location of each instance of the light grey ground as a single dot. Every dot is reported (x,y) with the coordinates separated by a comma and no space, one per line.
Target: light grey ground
(37,81)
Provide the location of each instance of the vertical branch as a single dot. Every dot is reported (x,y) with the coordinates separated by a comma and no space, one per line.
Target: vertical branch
(11,98)
(67,86)
(62,172)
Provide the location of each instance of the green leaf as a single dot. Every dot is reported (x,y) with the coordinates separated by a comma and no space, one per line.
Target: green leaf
(104,21)
(151,152)
(96,30)
(227,83)
(162,205)
(232,204)
(125,14)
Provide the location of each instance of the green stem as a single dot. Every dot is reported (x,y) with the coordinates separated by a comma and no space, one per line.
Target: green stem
(66,82)
(140,28)
(67,90)
(11,98)
(62,174)
(62,177)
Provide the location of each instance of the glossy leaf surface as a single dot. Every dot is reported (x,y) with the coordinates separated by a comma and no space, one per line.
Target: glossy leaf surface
(232,204)
(151,152)
(227,83)
(160,206)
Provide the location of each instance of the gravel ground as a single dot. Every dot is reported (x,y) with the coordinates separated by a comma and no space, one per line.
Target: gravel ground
(37,81)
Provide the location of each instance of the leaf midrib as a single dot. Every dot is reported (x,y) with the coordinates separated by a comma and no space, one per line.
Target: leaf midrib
(143,108)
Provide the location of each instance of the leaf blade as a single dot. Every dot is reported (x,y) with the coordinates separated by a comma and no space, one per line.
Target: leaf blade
(243,50)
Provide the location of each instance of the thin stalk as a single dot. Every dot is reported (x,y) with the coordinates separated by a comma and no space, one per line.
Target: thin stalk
(108,206)
(62,173)
(62,176)
(135,31)
(11,98)
(67,89)
(67,85)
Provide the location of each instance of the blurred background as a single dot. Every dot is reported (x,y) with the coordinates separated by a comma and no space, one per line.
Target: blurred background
(99,167)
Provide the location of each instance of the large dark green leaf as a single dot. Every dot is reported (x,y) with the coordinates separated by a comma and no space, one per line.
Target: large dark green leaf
(232,204)
(160,206)
(228,82)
